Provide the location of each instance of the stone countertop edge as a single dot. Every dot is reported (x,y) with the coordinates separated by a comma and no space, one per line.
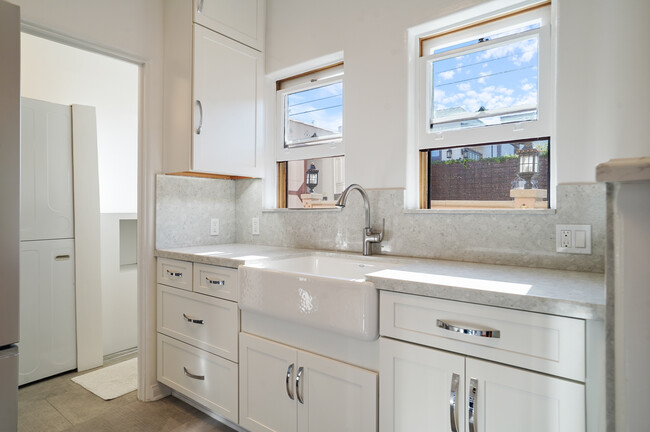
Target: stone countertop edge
(556,292)
(229,255)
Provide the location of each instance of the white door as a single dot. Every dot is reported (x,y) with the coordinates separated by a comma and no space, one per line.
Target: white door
(514,400)
(242,20)
(47,309)
(421,389)
(46,201)
(267,393)
(226,97)
(335,396)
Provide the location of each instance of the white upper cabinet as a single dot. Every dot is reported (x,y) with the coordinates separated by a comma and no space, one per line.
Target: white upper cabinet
(213,72)
(241,20)
(46,198)
(226,94)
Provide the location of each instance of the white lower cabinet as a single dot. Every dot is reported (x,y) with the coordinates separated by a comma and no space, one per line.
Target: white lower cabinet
(285,389)
(204,377)
(426,389)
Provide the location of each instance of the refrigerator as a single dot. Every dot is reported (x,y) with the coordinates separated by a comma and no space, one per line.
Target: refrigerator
(9,212)
(47,262)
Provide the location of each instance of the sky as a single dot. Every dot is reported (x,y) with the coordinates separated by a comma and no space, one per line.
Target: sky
(321,106)
(503,76)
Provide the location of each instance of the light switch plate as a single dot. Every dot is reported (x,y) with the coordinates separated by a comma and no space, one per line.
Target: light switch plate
(255,228)
(574,239)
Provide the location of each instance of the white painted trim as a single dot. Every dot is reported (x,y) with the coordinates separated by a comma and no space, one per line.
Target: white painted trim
(88,282)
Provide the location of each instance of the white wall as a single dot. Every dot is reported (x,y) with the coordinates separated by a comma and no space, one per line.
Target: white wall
(602,92)
(119,286)
(76,76)
(133,30)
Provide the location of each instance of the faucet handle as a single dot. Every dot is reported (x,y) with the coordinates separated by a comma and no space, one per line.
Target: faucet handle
(383,228)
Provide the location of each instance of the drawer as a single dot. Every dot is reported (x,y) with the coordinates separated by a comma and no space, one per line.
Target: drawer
(208,323)
(544,343)
(216,281)
(175,273)
(203,377)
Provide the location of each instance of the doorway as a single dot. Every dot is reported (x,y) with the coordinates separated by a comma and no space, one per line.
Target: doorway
(59,73)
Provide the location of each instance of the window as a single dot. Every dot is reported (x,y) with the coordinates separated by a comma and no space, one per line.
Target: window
(310,151)
(485,95)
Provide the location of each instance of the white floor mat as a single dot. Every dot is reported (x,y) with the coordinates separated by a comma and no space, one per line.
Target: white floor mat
(112,381)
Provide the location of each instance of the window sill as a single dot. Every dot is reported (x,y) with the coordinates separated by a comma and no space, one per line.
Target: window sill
(291,210)
(487,211)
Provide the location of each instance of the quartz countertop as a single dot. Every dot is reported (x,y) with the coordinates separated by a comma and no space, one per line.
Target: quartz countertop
(229,255)
(557,292)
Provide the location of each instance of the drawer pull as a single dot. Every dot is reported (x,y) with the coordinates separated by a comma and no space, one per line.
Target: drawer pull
(471,404)
(215,282)
(472,332)
(453,415)
(289,373)
(192,320)
(175,274)
(191,375)
(300,370)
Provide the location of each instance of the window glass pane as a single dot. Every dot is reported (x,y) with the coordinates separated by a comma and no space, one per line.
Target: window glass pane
(505,175)
(314,115)
(492,86)
(500,34)
(315,187)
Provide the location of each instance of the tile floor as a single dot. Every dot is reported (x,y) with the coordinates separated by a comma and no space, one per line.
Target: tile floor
(58,404)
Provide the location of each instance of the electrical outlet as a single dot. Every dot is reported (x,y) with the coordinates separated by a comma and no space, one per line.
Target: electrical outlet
(214,226)
(574,239)
(565,238)
(255,228)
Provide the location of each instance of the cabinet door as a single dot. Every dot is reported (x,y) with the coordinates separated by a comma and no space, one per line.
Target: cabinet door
(46,198)
(335,396)
(266,385)
(514,400)
(242,20)
(226,108)
(421,389)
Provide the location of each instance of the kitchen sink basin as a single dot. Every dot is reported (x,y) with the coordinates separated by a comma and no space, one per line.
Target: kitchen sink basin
(329,292)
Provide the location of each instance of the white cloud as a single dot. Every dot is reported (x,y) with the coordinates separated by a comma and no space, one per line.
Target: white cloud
(527,87)
(464,86)
(447,75)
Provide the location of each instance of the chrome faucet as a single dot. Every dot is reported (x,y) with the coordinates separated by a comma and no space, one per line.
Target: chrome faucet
(368,235)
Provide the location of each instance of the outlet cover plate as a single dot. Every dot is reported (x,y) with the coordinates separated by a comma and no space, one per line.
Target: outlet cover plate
(584,235)
(214,226)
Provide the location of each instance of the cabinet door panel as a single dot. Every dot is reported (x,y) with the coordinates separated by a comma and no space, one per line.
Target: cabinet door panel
(242,20)
(416,387)
(337,396)
(226,77)
(515,400)
(265,405)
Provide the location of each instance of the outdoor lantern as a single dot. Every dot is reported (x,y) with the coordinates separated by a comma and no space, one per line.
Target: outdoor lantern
(311,178)
(528,163)
(449,154)
(464,152)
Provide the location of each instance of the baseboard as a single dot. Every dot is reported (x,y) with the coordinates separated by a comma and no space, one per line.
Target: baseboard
(157,391)
(206,411)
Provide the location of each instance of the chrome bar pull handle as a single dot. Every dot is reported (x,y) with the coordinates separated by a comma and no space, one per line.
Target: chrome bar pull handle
(472,404)
(300,399)
(199,8)
(289,374)
(191,375)
(198,129)
(61,257)
(174,274)
(472,332)
(453,415)
(192,320)
(215,282)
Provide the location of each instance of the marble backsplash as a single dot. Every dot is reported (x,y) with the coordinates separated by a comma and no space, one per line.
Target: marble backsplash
(185,205)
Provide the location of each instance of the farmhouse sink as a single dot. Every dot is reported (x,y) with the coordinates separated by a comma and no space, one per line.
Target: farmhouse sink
(329,292)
